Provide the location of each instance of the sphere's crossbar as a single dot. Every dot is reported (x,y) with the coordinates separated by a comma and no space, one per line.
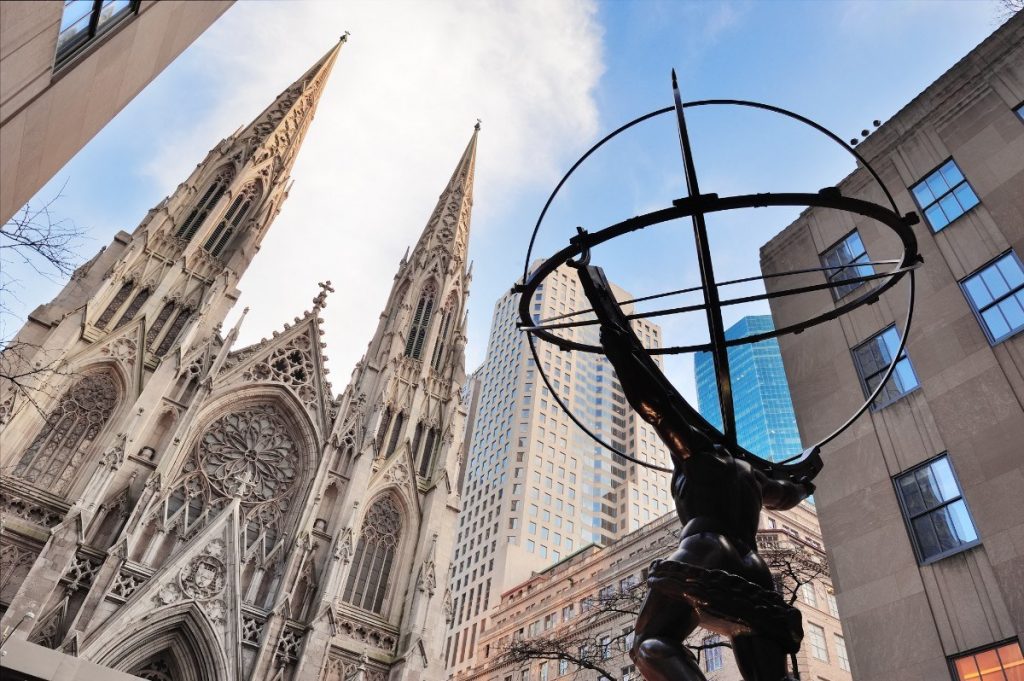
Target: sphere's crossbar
(696,206)
(545,322)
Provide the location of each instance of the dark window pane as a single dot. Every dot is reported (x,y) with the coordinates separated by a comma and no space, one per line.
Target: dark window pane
(927,541)
(911,494)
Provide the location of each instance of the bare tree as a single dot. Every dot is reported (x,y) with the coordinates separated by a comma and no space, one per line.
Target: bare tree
(583,646)
(1007,8)
(38,239)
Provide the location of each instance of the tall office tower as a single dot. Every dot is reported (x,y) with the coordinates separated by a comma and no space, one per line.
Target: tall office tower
(921,501)
(537,488)
(765,423)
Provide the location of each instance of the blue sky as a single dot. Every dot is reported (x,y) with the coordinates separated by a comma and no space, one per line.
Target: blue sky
(548,79)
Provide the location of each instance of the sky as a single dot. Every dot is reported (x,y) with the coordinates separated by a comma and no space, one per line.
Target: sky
(548,79)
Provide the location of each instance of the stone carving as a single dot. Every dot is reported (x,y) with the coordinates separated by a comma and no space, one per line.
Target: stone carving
(288,645)
(125,584)
(252,629)
(25,509)
(203,577)
(121,349)
(81,572)
(367,634)
(398,473)
(216,610)
(15,562)
(343,551)
(291,365)
(168,593)
(249,453)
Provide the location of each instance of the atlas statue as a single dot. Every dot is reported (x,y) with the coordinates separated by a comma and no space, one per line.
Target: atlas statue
(715,579)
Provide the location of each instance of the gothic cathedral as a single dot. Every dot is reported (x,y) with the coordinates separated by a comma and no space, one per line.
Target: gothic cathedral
(180,509)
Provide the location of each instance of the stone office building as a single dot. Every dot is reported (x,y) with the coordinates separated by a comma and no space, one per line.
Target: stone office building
(176,507)
(922,500)
(582,607)
(67,68)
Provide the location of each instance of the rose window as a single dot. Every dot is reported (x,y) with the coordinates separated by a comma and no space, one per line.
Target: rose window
(249,453)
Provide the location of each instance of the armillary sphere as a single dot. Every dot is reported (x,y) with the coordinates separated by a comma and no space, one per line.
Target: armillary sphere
(696,206)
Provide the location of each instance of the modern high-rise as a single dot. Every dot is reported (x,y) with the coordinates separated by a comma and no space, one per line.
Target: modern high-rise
(765,423)
(922,500)
(176,507)
(537,488)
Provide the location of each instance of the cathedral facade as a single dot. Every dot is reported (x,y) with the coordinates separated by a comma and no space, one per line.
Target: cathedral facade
(177,508)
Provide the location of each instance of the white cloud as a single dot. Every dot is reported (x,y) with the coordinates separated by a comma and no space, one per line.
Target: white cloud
(396,115)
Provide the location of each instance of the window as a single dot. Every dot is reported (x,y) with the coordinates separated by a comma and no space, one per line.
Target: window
(206,203)
(1002,662)
(84,20)
(807,594)
(1020,111)
(944,195)
(844,262)
(56,454)
(816,639)
(873,357)
(374,556)
(236,213)
(833,607)
(420,323)
(996,293)
(712,652)
(841,655)
(935,510)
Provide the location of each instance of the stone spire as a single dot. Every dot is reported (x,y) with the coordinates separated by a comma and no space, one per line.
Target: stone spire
(280,128)
(448,227)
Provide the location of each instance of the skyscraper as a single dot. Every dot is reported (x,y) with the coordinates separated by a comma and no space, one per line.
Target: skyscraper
(175,507)
(537,488)
(765,423)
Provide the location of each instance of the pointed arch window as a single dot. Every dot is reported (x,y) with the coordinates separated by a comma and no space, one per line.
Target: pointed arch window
(396,433)
(133,307)
(115,304)
(206,202)
(420,323)
(385,422)
(52,458)
(427,458)
(174,331)
(238,211)
(442,335)
(158,324)
(374,556)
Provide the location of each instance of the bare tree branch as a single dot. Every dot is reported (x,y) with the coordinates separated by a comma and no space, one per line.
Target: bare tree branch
(585,645)
(37,238)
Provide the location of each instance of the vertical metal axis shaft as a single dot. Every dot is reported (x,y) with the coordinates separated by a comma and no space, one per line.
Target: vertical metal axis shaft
(712,305)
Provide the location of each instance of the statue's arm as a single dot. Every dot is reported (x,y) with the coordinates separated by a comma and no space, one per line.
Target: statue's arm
(645,386)
(782,494)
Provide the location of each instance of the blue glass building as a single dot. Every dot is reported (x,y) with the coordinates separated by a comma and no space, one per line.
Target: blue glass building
(765,423)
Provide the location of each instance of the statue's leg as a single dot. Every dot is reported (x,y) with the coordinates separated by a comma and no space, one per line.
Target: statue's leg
(759,659)
(658,650)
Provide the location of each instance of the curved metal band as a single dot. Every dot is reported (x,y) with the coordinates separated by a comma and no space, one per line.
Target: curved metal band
(712,203)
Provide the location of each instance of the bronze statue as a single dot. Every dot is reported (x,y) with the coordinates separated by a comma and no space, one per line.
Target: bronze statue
(716,578)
